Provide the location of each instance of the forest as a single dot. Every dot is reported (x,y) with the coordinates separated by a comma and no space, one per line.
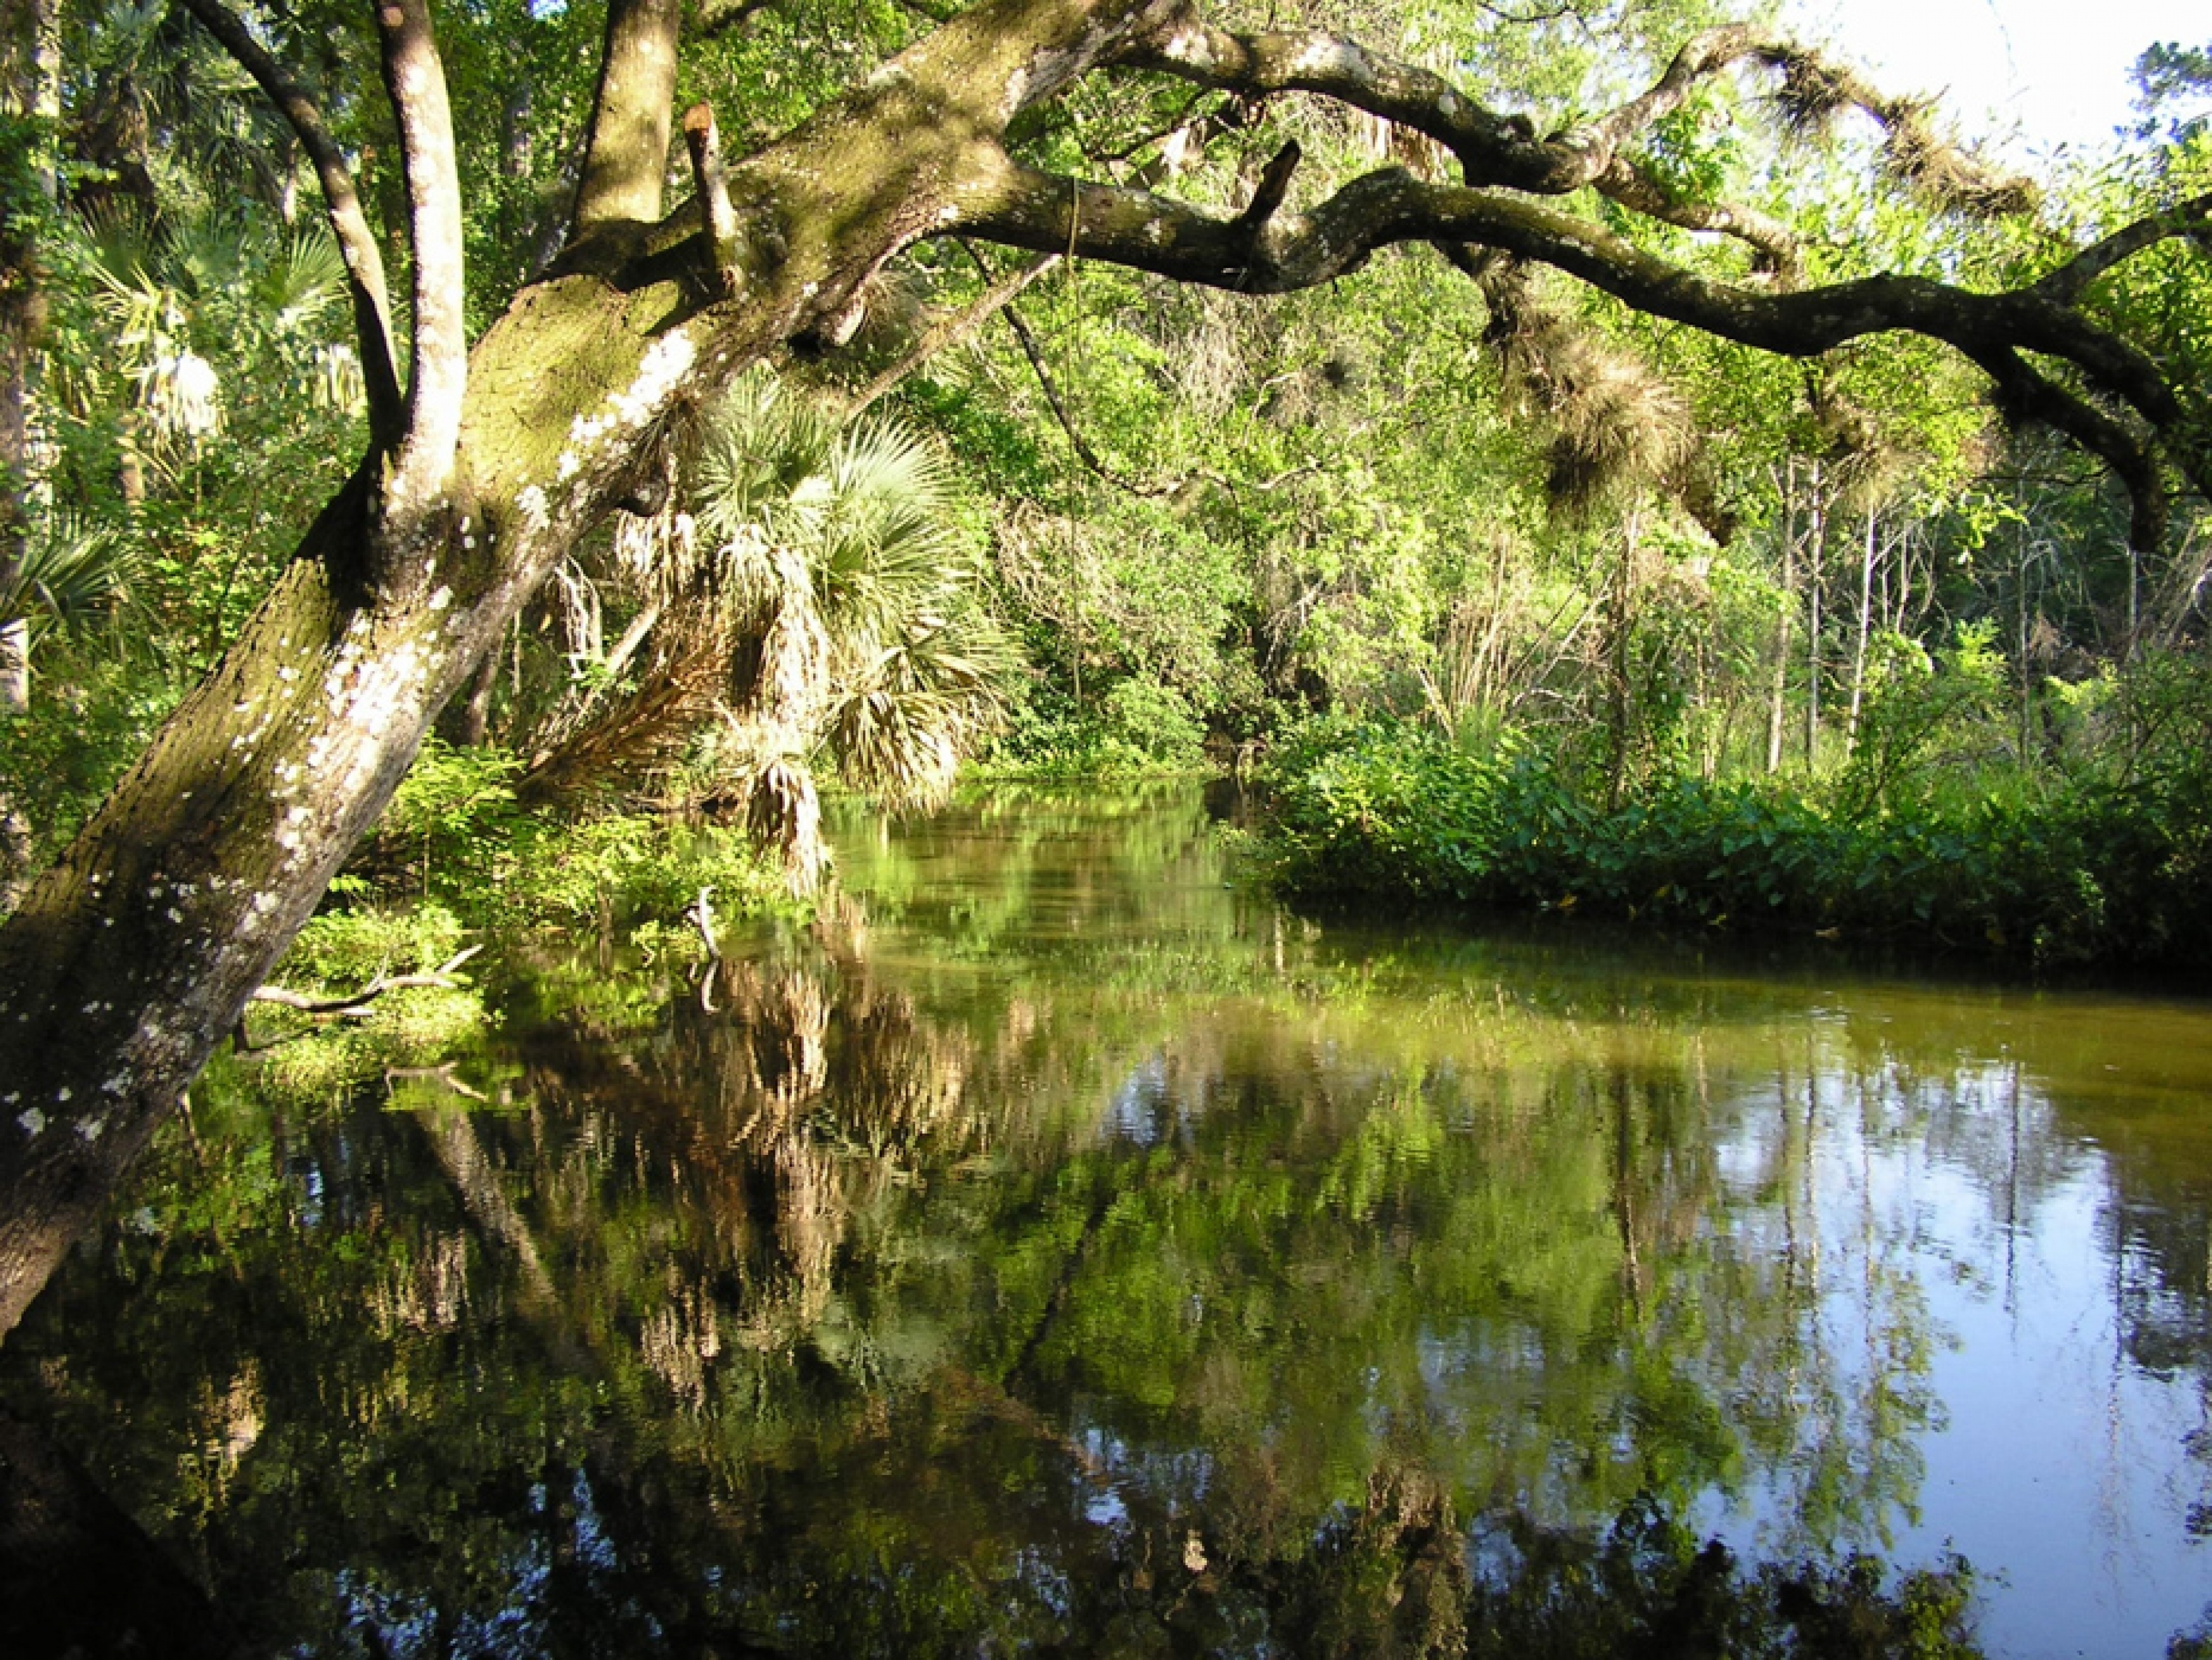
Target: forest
(518,466)
(1612,459)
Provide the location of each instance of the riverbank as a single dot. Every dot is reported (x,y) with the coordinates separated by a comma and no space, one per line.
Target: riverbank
(1395,815)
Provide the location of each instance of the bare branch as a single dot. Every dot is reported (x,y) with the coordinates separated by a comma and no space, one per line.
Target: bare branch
(1699,60)
(415,82)
(1774,247)
(1076,441)
(372,312)
(1034,354)
(353,1002)
(1491,149)
(952,331)
(719,17)
(2192,218)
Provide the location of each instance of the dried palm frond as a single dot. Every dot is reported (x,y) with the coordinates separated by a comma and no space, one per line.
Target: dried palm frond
(783,813)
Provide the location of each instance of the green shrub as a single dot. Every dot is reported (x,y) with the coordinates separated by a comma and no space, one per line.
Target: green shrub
(2100,871)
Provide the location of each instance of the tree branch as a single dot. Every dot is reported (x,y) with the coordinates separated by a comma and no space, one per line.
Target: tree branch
(952,331)
(2025,395)
(628,156)
(352,1003)
(1497,150)
(1774,247)
(2192,218)
(372,311)
(415,82)
(703,140)
(1292,251)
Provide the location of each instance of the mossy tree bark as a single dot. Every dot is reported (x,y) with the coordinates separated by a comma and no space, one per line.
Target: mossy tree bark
(127,962)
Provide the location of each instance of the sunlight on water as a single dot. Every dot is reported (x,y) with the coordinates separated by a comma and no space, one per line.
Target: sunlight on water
(1065,1248)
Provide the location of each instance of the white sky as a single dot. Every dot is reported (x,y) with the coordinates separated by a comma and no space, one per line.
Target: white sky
(2039,72)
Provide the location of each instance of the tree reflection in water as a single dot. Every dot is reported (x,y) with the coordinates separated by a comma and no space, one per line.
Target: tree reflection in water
(1131,1270)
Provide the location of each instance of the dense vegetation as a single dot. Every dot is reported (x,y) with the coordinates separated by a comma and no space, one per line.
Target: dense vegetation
(1653,595)
(1601,614)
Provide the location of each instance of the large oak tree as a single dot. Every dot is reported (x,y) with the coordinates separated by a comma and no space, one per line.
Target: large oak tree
(127,962)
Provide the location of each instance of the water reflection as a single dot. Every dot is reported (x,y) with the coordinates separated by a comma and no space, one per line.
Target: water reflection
(1059,1248)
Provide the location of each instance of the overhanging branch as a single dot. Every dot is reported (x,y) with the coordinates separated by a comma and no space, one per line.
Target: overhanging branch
(1290,251)
(1504,151)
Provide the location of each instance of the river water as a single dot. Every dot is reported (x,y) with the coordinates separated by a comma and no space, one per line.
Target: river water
(1063,1251)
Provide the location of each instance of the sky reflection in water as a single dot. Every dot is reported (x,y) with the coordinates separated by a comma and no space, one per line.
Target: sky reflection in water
(1047,1255)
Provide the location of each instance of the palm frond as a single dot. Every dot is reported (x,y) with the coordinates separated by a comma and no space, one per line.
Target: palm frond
(70,573)
(304,279)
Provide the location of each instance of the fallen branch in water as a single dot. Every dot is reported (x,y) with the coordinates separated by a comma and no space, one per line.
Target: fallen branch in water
(353,1005)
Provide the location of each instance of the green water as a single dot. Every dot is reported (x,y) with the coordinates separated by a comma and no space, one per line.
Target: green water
(1064,1252)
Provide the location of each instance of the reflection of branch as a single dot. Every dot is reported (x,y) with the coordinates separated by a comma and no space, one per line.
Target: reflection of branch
(453,1137)
(702,918)
(1056,1303)
(441,1075)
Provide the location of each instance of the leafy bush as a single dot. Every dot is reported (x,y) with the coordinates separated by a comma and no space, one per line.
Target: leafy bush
(1141,724)
(2103,871)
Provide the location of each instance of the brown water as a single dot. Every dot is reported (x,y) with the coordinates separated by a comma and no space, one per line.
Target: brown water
(1067,1252)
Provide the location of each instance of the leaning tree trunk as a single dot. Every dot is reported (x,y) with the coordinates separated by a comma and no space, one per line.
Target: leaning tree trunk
(128,962)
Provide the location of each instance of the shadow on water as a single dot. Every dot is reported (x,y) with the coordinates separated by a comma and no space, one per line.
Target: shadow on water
(1062,1251)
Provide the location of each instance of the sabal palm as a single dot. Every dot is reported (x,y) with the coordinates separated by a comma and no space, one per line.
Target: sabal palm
(840,563)
(66,574)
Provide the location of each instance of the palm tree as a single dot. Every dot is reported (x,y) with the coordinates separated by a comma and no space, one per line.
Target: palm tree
(817,604)
(69,573)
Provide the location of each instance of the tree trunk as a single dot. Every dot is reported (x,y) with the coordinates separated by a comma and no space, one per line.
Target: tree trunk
(1777,697)
(1859,644)
(127,962)
(1816,543)
(30,93)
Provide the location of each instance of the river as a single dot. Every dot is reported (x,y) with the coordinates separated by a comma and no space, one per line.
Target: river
(1063,1251)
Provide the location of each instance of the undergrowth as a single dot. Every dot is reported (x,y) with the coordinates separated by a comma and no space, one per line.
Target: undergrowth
(2106,866)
